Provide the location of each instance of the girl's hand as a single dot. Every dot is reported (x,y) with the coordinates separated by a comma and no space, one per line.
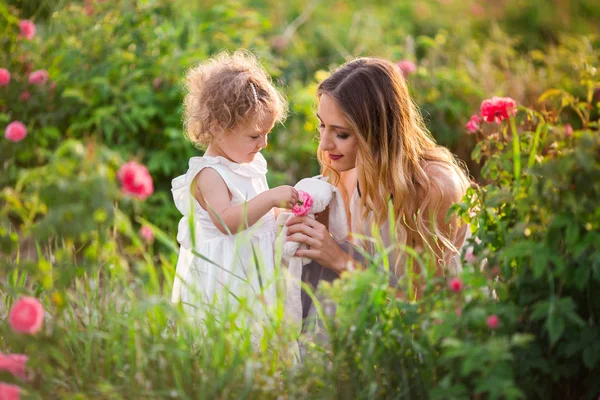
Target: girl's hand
(322,248)
(283,196)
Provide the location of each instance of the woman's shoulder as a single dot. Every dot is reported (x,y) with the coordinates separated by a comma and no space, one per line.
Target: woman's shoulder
(447,182)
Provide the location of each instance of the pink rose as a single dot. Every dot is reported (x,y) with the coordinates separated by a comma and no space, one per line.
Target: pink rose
(39,77)
(470,257)
(4,77)
(27,29)
(455,285)
(14,363)
(407,67)
(498,109)
(89,8)
(26,315)
(279,42)
(493,322)
(147,233)
(304,204)
(25,96)
(136,180)
(15,131)
(473,124)
(568,130)
(9,392)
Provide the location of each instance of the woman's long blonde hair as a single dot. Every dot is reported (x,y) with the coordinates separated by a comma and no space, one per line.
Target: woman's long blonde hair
(394,148)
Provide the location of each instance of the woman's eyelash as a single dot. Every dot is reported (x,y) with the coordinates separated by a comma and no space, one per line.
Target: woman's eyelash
(339,135)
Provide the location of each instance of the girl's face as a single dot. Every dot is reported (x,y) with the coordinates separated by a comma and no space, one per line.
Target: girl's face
(336,138)
(242,143)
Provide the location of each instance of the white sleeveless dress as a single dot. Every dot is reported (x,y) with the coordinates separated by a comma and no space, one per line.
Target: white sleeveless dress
(232,273)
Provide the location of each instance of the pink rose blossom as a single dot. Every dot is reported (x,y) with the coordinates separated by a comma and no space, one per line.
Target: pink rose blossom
(4,77)
(136,180)
(304,204)
(15,131)
(493,322)
(473,124)
(147,233)
(477,10)
(455,285)
(26,315)
(39,77)
(14,363)
(27,29)
(9,392)
(279,42)
(407,67)
(470,257)
(568,130)
(25,96)
(498,109)
(89,8)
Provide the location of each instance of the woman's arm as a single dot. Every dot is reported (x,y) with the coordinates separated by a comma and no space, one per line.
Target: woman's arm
(446,189)
(213,195)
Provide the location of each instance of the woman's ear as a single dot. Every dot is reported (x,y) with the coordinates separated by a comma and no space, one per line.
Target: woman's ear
(338,222)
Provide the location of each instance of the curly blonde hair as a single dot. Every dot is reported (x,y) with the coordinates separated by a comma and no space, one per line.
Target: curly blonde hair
(226,90)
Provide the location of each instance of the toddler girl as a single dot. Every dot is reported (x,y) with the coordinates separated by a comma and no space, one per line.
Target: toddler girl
(227,232)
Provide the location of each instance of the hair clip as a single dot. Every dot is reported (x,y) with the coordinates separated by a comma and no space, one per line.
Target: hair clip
(254,92)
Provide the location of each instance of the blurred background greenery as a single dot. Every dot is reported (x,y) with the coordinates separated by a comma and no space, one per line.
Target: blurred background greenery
(117,67)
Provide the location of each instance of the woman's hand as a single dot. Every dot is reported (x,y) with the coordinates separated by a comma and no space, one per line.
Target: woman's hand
(322,248)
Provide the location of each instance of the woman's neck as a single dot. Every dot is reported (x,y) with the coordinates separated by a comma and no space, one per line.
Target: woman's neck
(348,180)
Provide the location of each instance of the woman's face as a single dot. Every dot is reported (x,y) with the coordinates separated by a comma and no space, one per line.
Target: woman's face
(337,140)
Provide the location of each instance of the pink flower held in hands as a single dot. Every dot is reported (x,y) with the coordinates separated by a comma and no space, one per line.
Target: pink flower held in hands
(304,204)
(455,285)
(9,392)
(473,124)
(15,131)
(14,363)
(26,315)
(493,322)
(147,233)
(39,77)
(497,109)
(407,67)
(27,29)
(4,77)
(136,180)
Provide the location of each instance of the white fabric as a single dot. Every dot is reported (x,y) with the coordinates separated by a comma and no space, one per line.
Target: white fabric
(323,195)
(199,281)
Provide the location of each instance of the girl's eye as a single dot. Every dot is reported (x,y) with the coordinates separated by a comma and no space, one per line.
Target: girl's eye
(321,126)
(254,137)
(343,136)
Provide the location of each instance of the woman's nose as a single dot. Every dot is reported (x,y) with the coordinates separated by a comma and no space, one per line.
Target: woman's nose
(325,143)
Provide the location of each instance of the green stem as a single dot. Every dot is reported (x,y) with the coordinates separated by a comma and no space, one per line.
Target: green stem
(516,151)
(534,147)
